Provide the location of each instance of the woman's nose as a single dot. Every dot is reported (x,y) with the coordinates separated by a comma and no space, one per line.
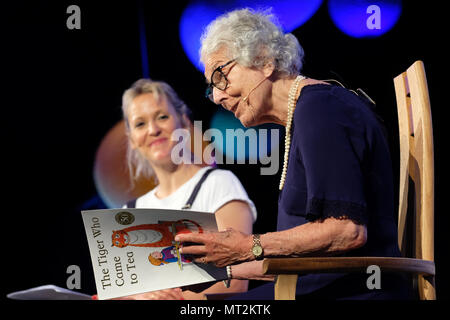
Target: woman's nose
(218,95)
(153,129)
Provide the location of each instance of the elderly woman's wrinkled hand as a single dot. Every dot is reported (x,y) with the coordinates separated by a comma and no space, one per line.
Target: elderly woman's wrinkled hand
(220,248)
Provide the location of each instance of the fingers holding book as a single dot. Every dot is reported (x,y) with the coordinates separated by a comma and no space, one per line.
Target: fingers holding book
(220,248)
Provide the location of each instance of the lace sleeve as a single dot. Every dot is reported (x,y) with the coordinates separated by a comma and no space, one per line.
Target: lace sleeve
(322,209)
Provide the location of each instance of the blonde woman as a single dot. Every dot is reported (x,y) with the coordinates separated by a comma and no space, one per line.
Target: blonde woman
(152,112)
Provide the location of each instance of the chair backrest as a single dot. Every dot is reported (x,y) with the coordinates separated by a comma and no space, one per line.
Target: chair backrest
(416,167)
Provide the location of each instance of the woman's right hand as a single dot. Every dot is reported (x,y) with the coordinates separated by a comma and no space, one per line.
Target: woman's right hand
(167,294)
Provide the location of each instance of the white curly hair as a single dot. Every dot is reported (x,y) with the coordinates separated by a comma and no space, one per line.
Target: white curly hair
(253,38)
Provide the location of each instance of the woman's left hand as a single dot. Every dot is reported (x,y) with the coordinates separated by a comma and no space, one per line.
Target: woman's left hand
(220,248)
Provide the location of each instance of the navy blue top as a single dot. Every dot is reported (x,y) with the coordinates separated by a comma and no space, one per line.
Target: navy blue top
(339,166)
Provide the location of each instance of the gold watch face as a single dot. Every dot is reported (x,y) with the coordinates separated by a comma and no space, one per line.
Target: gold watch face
(257,251)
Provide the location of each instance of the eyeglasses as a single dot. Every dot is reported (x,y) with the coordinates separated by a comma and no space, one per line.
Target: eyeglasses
(218,80)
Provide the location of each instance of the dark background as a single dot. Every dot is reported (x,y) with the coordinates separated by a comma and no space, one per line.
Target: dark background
(62,92)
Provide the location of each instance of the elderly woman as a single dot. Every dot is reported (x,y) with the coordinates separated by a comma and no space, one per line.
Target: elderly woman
(153,111)
(336,186)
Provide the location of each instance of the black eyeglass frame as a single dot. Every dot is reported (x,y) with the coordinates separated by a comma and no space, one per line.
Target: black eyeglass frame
(209,90)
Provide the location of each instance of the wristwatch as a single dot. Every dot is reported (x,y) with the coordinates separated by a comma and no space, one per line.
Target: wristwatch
(257,249)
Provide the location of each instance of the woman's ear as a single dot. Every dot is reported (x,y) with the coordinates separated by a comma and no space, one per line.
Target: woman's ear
(127,129)
(185,121)
(268,69)
(133,145)
(131,141)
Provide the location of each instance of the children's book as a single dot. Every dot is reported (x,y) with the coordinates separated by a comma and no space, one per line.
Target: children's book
(134,251)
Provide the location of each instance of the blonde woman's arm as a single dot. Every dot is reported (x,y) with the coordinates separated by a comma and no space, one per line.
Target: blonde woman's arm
(235,214)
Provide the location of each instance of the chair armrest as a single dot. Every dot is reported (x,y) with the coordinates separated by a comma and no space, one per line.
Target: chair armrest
(346,264)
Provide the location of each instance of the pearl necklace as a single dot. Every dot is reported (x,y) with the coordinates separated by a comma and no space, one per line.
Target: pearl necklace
(287,139)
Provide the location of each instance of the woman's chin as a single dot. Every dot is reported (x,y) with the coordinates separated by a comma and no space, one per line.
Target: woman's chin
(161,159)
(247,120)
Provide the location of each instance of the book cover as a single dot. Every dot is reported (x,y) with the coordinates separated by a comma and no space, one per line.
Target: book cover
(133,250)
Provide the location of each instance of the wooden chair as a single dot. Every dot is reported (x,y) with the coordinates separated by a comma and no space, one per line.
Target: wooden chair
(417,169)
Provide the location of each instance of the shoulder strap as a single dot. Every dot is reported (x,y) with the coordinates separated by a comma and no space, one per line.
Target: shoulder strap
(131,204)
(188,205)
(191,199)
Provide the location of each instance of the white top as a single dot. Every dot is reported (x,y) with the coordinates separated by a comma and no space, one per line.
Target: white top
(219,188)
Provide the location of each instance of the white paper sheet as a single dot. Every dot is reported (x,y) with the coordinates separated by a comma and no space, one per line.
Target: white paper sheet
(48,292)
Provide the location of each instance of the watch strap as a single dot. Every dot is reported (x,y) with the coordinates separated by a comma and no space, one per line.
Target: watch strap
(257,245)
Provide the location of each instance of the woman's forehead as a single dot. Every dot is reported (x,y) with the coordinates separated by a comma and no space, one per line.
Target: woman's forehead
(147,102)
(214,60)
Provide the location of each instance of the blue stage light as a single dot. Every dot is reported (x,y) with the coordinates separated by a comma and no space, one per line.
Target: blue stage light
(194,19)
(223,120)
(198,14)
(364,18)
(239,144)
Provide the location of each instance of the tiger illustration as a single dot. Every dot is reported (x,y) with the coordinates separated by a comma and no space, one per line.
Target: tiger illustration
(153,235)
